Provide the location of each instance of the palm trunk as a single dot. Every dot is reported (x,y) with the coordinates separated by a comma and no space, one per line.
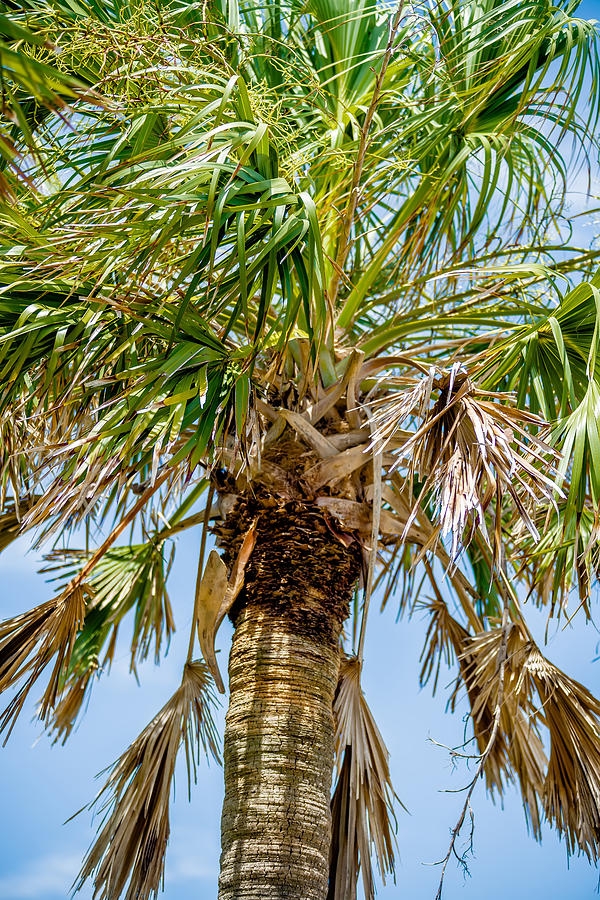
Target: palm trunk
(283,669)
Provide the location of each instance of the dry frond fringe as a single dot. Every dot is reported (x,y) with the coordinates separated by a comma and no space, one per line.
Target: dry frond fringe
(129,852)
(362,811)
(30,641)
(517,751)
(571,793)
(69,703)
(468,452)
(536,691)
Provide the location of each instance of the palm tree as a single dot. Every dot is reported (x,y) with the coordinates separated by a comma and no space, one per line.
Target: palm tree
(301,276)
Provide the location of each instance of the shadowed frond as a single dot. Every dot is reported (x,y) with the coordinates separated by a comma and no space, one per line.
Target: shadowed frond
(29,642)
(10,524)
(128,578)
(129,853)
(468,452)
(361,807)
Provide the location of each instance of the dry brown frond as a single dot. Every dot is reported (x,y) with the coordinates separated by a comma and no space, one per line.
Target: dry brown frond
(517,750)
(445,639)
(361,807)
(468,452)
(69,703)
(570,790)
(129,853)
(10,526)
(30,641)
(571,793)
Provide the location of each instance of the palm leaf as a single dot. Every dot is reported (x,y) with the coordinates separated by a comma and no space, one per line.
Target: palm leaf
(129,853)
(362,801)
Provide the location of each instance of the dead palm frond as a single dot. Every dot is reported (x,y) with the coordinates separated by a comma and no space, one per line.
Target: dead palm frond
(75,691)
(467,452)
(362,809)
(129,853)
(571,792)
(29,642)
(517,749)
(538,692)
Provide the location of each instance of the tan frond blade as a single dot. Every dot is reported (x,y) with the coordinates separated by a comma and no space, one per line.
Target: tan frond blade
(319,443)
(68,705)
(571,792)
(336,467)
(215,597)
(129,852)
(517,750)
(362,810)
(446,638)
(30,641)
(210,595)
(468,452)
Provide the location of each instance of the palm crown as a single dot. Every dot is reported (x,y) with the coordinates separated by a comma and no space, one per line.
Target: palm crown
(302,253)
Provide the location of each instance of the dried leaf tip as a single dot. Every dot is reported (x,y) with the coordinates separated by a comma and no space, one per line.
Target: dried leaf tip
(30,641)
(536,692)
(362,810)
(129,852)
(470,447)
(571,793)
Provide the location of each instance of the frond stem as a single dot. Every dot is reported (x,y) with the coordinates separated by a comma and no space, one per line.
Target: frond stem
(345,242)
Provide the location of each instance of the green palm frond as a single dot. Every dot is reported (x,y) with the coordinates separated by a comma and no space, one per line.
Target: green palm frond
(127,578)
(333,226)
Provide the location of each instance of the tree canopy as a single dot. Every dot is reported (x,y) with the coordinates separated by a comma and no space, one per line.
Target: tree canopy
(347,220)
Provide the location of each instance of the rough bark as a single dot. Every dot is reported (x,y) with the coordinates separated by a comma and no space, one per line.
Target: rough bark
(283,669)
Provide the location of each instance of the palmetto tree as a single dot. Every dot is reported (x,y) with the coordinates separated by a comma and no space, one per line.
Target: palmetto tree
(297,275)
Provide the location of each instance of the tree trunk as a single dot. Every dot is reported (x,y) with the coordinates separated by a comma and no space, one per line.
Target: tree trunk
(283,669)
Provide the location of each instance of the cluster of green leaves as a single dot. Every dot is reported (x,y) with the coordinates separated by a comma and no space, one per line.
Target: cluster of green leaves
(175,238)
(180,183)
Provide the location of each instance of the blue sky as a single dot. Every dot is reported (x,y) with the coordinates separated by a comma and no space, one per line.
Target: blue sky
(43,785)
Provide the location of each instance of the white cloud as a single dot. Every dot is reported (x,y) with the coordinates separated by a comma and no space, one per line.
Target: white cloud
(47,877)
